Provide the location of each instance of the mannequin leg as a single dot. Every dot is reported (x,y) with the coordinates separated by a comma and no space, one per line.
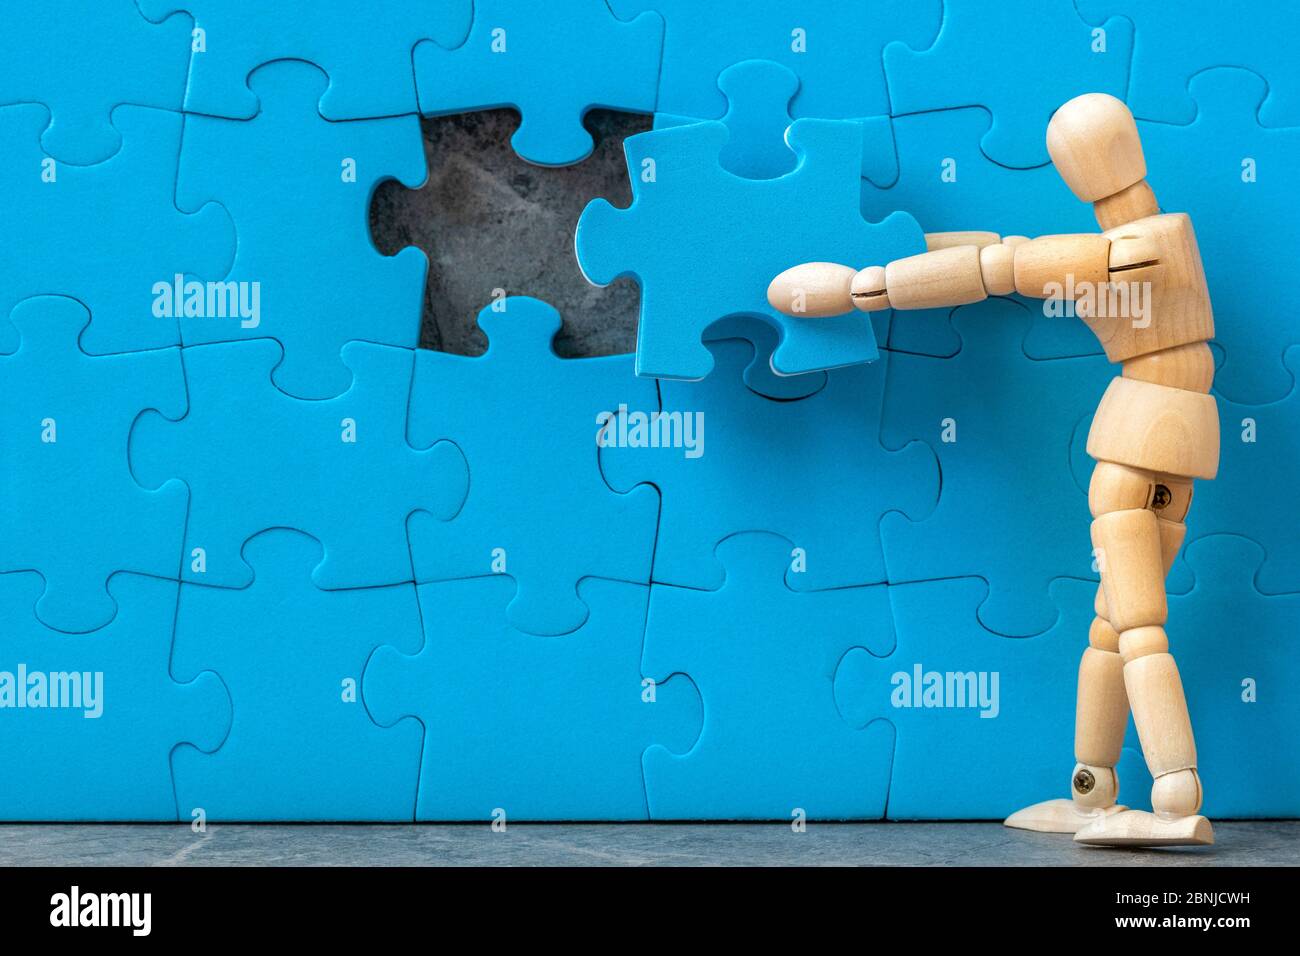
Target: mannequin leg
(1101,715)
(1135,547)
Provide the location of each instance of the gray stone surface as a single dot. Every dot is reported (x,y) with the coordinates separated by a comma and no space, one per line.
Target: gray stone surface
(488,220)
(1262,843)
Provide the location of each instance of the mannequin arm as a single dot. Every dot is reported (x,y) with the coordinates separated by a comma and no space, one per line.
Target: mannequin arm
(959,268)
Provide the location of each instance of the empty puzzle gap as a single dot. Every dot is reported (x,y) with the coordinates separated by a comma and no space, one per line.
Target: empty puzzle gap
(490,221)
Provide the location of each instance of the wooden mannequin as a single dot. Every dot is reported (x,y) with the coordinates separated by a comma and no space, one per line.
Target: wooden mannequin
(1155,430)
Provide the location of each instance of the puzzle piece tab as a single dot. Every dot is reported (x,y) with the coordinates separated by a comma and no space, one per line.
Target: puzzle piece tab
(89,722)
(1242,199)
(1019,59)
(119,56)
(538,509)
(542,728)
(364,47)
(305,272)
(1173,42)
(109,235)
(759,93)
(339,469)
(704,243)
(553,62)
(301,748)
(984,724)
(1001,426)
(733,476)
(72,511)
(764,658)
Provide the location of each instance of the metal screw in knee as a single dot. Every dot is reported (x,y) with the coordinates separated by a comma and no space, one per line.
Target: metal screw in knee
(1084,781)
(1162,499)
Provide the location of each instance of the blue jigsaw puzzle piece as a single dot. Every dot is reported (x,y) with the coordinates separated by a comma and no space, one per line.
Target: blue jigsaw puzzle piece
(300,749)
(949,185)
(339,470)
(91,720)
(734,477)
(1239,692)
(759,93)
(538,508)
(704,243)
(1001,426)
(764,659)
(1259,443)
(306,272)
(119,56)
(552,62)
(969,705)
(1243,202)
(105,234)
(1024,38)
(568,750)
(1174,41)
(72,511)
(365,48)
(834,48)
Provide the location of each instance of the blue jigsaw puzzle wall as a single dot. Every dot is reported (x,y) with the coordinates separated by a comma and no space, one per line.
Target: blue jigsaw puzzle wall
(262,558)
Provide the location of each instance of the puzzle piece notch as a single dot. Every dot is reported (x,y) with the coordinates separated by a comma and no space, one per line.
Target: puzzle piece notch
(308,744)
(116,765)
(73,513)
(1239,193)
(131,60)
(833,48)
(759,376)
(759,94)
(365,48)
(107,267)
(545,728)
(1004,453)
(1049,42)
(594,60)
(1173,43)
(741,479)
(773,741)
(255,458)
(565,523)
(983,724)
(306,274)
(739,238)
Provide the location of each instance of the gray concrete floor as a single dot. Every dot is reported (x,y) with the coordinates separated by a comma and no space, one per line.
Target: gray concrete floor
(1258,843)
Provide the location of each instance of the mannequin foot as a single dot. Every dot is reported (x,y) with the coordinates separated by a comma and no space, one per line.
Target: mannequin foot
(1058,816)
(1140,828)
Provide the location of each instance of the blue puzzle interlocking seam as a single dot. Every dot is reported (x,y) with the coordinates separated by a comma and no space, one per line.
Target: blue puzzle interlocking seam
(365,49)
(73,513)
(563,523)
(255,458)
(515,56)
